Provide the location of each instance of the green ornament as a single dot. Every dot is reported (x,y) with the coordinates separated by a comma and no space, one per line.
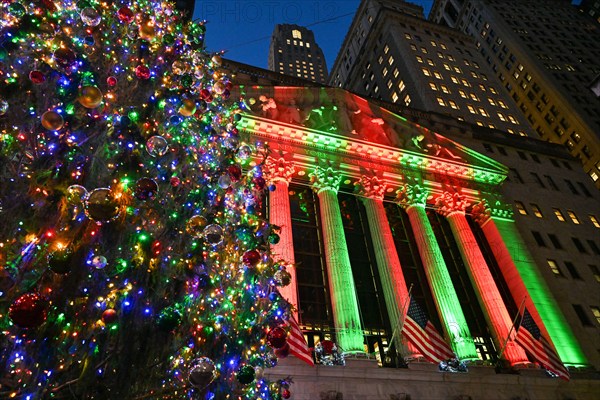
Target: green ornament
(60,261)
(168,319)
(168,39)
(187,80)
(245,374)
(16,10)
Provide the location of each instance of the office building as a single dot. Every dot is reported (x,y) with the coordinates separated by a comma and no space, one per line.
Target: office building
(392,53)
(294,51)
(547,55)
(591,8)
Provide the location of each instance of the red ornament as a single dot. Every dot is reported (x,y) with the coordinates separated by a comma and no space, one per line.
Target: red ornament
(28,311)
(64,57)
(328,346)
(111,81)
(251,258)
(283,352)
(277,338)
(37,77)
(109,316)
(259,181)
(175,181)
(235,172)
(125,15)
(285,393)
(206,95)
(142,72)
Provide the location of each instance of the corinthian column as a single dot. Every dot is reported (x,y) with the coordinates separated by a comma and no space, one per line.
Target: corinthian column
(279,173)
(452,206)
(325,183)
(525,281)
(413,199)
(388,263)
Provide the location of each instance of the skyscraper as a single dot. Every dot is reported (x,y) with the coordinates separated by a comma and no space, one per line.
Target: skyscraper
(547,54)
(392,53)
(293,51)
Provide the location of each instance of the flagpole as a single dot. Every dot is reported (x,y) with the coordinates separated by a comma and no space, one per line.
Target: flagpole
(512,327)
(400,325)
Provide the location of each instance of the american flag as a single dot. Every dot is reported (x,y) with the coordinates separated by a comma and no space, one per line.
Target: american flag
(531,339)
(420,332)
(298,346)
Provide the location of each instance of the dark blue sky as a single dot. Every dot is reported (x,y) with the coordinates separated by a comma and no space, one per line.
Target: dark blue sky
(243,27)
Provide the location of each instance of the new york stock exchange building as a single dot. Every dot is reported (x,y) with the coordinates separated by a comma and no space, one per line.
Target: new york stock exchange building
(399,225)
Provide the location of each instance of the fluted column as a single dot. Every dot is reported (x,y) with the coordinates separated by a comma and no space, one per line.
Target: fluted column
(525,281)
(279,173)
(388,263)
(413,199)
(325,183)
(452,206)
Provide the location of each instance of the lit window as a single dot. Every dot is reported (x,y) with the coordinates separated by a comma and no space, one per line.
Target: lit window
(453,104)
(595,272)
(385,71)
(502,104)
(472,109)
(288,41)
(573,217)
(559,215)
(493,90)
(492,102)
(445,89)
(536,211)
(474,97)
(483,112)
(440,55)
(423,50)
(419,59)
(474,74)
(520,208)
(437,75)
(441,102)
(446,67)
(433,43)
(389,84)
(484,77)
(465,83)
(450,57)
(426,72)
(482,87)
(595,221)
(457,70)
(453,79)
(479,123)
(296,34)
(407,100)
(443,46)
(430,62)
(401,85)
(462,93)
(376,89)
(554,267)
(407,36)
(396,72)
(512,119)
(386,49)
(380,59)
(596,312)
(501,116)
(308,45)
(391,60)
(301,43)
(413,47)
(394,97)
(433,86)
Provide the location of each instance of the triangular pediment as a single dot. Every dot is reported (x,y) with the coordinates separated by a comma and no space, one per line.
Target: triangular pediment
(345,120)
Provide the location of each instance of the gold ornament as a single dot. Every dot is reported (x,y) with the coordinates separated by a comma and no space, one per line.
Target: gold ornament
(90,97)
(52,120)
(188,108)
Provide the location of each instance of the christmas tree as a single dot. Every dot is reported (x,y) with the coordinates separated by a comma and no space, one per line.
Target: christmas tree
(134,258)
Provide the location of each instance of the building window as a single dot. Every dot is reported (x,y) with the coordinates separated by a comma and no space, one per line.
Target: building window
(394,97)
(554,267)
(296,34)
(537,179)
(396,72)
(471,109)
(483,112)
(555,241)
(579,245)
(401,85)
(407,100)
(419,59)
(433,86)
(385,71)
(501,116)
(380,59)
(573,217)
(386,49)
(559,215)
(441,102)
(538,239)
(462,93)
(407,36)
(536,210)
(584,189)
(391,60)
(571,187)
(437,75)
(572,270)
(426,72)
(445,89)
(596,313)
(593,246)
(515,174)
(551,182)
(595,272)
(585,321)
(595,221)
(453,104)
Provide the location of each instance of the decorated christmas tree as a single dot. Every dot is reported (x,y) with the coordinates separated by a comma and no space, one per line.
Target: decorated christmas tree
(134,257)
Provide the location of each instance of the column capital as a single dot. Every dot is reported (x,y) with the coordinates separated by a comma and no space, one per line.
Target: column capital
(449,203)
(371,187)
(411,195)
(325,179)
(481,212)
(498,208)
(278,169)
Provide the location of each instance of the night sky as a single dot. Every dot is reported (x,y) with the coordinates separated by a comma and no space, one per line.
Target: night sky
(243,28)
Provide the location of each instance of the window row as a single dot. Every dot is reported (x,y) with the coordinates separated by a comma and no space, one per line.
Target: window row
(548,182)
(541,242)
(535,210)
